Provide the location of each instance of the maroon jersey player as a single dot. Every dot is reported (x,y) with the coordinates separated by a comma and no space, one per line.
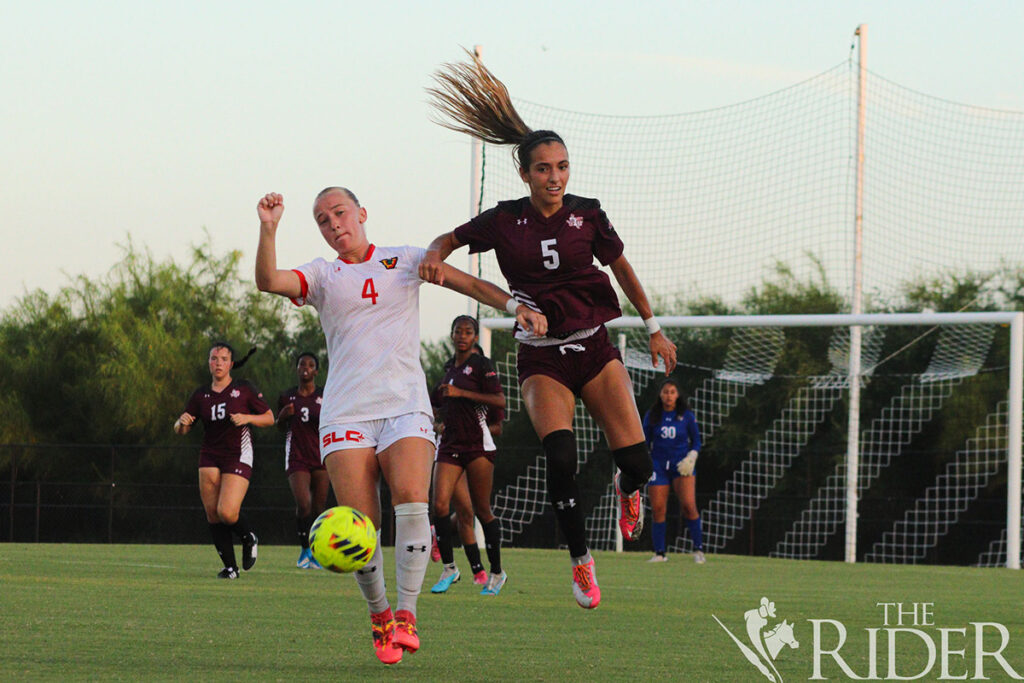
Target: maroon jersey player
(227,408)
(298,415)
(546,244)
(470,388)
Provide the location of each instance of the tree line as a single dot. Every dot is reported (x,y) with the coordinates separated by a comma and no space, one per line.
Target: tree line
(112,360)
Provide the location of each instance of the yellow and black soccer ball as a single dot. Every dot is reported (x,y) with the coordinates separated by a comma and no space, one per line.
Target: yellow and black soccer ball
(342,539)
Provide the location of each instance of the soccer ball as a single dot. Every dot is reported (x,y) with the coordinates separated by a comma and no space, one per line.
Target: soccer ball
(342,539)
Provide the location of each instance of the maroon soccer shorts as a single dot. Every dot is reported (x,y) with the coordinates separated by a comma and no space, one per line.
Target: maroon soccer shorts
(572,364)
(227,464)
(297,462)
(463,459)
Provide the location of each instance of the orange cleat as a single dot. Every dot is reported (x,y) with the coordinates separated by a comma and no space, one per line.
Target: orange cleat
(405,631)
(382,625)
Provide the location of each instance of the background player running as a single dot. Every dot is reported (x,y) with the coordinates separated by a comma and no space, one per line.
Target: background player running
(462,504)
(470,387)
(545,245)
(375,420)
(298,415)
(226,407)
(672,432)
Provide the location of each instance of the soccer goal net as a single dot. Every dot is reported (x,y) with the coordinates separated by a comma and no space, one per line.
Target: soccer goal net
(935,477)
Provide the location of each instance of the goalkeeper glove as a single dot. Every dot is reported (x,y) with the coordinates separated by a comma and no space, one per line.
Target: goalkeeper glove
(686,465)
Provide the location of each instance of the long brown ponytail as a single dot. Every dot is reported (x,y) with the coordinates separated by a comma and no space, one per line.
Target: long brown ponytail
(469,99)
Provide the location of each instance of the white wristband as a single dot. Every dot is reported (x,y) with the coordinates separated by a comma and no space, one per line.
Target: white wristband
(512,306)
(652,325)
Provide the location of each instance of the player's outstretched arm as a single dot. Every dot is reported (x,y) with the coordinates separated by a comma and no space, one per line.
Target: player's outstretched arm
(438,250)
(268,277)
(634,291)
(490,294)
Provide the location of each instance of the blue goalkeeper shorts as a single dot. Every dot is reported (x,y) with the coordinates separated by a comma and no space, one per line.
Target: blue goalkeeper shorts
(665,471)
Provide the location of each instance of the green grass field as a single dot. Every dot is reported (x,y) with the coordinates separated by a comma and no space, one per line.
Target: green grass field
(92,612)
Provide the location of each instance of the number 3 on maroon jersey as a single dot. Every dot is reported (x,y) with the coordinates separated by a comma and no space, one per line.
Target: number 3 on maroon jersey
(369,291)
(547,248)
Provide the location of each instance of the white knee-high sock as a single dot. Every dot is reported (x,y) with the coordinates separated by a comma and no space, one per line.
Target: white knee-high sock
(371,582)
(412,551)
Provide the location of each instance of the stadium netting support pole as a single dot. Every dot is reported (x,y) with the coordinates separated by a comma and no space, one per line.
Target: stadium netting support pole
(615,519)
(856,306)
(476,190)
(485,340)
(1013,442)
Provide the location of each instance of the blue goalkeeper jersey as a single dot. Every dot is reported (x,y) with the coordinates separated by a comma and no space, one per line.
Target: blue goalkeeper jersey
(673,437)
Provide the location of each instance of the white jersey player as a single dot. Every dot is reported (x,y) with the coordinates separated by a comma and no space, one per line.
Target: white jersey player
(376,417)
(370,315)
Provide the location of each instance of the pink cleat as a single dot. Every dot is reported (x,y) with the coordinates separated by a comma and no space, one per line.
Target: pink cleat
(631,513)
(584,585)
(435,552)
(405,631)
(480,578)
(382,625)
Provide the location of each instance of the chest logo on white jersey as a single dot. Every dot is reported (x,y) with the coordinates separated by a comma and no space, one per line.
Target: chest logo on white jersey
(389,263)
(574,221)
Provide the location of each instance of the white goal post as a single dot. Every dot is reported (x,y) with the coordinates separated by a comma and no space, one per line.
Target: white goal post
(1014,396)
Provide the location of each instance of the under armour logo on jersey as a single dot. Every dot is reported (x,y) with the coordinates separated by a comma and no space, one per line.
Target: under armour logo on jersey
(410,548)
(563,504)
(572,347)
(521,221)
(467,370)
(574,221)
(389,263)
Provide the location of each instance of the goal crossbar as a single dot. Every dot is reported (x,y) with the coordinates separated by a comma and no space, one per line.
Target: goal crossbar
(1015,393)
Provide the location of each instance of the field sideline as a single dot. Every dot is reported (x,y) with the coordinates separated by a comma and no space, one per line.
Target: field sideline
(91,612)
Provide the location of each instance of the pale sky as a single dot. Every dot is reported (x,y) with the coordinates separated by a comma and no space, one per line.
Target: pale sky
(157,119)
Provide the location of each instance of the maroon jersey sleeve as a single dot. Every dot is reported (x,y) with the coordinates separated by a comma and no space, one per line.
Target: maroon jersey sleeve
(255,403)
(607,245)
(490,383)
(479,232)
(194,406)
